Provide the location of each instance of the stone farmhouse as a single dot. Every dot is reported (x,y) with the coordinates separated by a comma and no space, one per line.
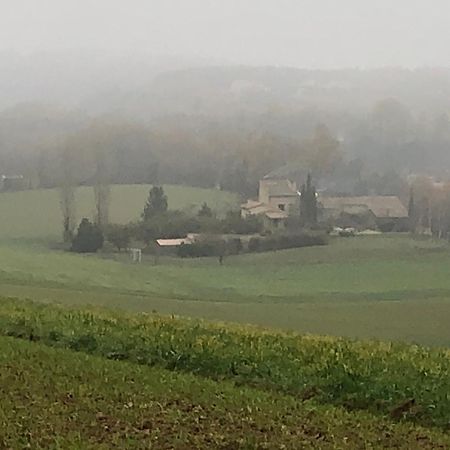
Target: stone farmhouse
(279,197)
(276,199)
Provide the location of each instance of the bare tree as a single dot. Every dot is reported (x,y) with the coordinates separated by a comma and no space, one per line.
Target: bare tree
(102,194)
(67,197)
(102,191)
(67,201)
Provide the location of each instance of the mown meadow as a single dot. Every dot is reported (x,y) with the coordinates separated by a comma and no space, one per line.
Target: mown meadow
(389,287)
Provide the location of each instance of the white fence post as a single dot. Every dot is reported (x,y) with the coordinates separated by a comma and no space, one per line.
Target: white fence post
(136,255)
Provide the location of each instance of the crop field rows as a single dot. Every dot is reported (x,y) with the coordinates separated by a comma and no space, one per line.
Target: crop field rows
(98,379)
(358,375)
(61,399)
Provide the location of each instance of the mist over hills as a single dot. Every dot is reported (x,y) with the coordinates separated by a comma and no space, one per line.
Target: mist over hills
(346,90)
(140,85)
(199,121)
(75,78)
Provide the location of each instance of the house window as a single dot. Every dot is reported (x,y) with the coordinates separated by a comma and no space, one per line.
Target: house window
(282,206)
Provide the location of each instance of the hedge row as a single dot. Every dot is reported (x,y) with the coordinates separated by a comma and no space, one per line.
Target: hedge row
(285,241)
(256,244)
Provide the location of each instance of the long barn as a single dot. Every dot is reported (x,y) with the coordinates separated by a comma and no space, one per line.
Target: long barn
(385,212)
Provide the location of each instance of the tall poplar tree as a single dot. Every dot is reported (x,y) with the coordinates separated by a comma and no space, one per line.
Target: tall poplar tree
(308,203)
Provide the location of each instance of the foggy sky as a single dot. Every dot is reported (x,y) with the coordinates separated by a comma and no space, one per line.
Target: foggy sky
(301,33)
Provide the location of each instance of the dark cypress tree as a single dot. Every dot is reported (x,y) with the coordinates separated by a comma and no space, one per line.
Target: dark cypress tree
(308,203)
(312,201)
(156,203)
(425,221)
(412,215)
(303,205)
(89,238)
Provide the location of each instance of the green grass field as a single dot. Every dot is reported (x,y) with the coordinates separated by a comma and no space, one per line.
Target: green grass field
(91,379)
(393,288)
(386,287)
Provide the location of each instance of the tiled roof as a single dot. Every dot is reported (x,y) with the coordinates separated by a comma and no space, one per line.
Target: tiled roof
(274,215)
(282,188)
(250,204)
(258,208)
(173,242)
(381,206)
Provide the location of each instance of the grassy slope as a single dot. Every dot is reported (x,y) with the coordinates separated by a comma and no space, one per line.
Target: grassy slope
(58,398)
(370,376)
(392,268)
(384,287)
(36,214)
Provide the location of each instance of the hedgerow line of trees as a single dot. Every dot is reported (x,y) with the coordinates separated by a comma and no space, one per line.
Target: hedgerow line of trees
(159,222)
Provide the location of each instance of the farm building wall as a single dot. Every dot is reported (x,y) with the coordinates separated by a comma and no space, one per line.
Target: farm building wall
(283,203)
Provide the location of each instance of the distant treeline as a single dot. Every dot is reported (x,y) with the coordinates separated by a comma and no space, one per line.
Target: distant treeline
(213,130)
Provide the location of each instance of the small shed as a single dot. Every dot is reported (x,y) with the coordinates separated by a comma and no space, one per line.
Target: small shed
(171,243)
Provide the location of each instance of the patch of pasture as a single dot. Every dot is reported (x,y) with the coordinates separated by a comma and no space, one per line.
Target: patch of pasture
(35,214)
(387,287)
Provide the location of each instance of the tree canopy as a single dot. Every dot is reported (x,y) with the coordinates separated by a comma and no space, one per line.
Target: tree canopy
(89,238)
(157,203)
